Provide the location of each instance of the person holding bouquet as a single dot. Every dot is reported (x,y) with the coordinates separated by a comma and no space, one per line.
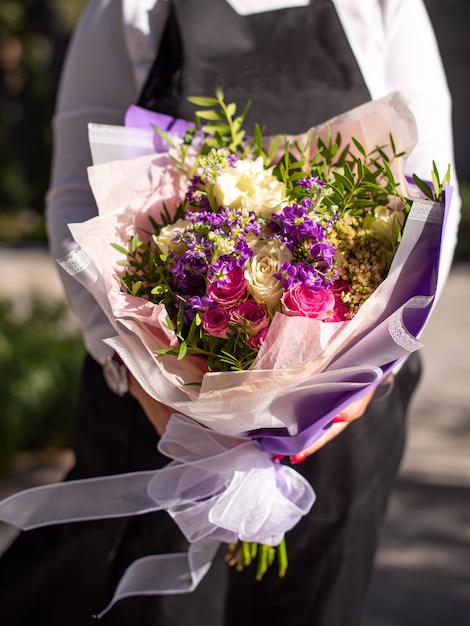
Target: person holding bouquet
(299,63)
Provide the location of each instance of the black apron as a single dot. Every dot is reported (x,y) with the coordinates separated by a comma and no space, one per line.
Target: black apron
(295,65)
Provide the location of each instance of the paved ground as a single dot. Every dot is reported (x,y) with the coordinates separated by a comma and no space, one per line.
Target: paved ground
(423,568)
(422,576)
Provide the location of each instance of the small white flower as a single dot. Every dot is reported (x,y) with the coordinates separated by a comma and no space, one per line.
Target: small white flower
(385,223)
(167,234)
(248,185)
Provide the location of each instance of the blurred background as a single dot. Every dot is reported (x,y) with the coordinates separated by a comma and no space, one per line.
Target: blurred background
(423,568)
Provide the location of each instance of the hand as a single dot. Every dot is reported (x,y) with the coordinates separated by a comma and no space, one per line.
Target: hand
(158,413)
(338,424)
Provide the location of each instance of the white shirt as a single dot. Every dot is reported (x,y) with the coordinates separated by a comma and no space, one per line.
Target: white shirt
(110,56)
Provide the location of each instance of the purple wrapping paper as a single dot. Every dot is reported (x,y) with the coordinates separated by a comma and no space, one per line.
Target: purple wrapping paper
(137,117)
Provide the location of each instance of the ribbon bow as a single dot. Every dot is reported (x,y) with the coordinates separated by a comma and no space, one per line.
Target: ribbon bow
(217,489)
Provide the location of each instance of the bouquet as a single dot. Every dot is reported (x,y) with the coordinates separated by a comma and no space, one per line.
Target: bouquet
(258,285)
(304,237)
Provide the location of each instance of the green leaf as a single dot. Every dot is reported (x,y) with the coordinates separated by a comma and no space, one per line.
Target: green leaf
(136,287)
(435,184)
(389,172)
(119,248)
(423,186)
(210,115)
(231,109)
(359,146)
(165,136)
(446,179)
(212,142)
(219,94)
(348,173)
(239,137)
(159,289)
(343,179)
(258,135)
(203,101)
(212,129)
(182,351)
(360,170)
(135,243)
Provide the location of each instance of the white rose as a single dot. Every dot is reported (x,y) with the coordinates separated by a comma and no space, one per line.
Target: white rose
(385,223)
(248,185)
(165,239)
(259,270)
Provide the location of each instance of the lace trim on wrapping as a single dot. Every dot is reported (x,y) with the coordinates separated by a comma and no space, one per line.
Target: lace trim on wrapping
(431,212)
(401,337)
(120,135)
(75,262)
(398,332)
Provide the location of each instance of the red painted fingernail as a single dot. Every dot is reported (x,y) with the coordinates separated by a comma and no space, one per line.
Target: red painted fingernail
(277,457)
(298,458)
(338,419)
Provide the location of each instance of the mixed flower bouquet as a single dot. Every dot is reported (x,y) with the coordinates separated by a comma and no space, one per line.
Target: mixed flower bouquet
(248,266)
(258,285)
(257,235)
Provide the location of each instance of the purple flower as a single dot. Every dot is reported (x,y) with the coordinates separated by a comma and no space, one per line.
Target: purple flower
(195,194)
(311,277)
(218,272)
(287,274)
(200,303)
(323,251)
(309,183)
(293,224)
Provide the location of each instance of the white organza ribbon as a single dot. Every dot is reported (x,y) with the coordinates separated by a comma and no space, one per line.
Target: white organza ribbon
(217,489)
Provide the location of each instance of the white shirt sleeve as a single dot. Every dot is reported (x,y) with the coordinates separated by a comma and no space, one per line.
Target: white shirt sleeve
(97,85)
(396,49)
(110,56)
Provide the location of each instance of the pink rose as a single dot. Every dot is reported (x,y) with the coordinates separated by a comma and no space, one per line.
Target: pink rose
(232,292)
(257,342)
(338,289)
(251,315)
(340,312)
(215,322)
(302,301)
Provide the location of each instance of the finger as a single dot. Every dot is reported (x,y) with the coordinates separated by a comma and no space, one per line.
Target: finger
(333,431)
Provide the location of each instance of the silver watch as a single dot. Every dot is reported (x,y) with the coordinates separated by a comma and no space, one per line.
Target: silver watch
(115,375)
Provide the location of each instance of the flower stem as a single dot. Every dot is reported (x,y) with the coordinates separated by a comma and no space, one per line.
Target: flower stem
(282,558)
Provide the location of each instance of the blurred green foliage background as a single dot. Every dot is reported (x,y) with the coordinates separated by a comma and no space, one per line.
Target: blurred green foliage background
(40,362)
(34,35)
(39,359)
(40,351)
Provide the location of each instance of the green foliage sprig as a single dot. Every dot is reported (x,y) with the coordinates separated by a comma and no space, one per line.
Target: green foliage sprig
(435,191)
